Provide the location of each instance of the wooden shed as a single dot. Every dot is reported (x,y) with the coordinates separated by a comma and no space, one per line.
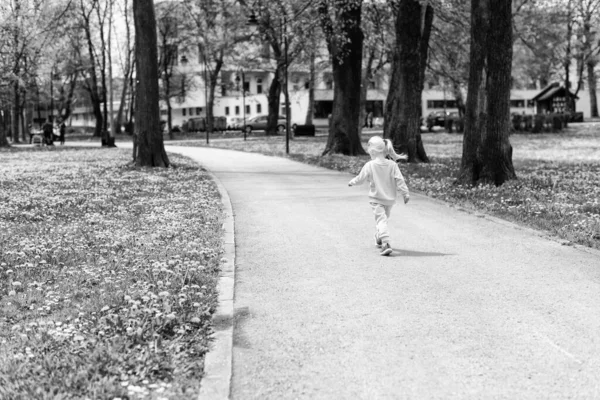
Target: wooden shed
(552,99)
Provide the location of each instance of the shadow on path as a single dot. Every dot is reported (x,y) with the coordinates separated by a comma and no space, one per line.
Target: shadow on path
(412,253)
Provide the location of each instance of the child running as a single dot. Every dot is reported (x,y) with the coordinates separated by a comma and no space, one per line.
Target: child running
(385,179)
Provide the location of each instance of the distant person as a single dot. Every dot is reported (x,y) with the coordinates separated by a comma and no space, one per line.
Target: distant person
(62,128)
(48,129)
(370,119)
(385,181)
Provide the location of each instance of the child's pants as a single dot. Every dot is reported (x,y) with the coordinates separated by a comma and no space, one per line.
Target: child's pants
(382,213)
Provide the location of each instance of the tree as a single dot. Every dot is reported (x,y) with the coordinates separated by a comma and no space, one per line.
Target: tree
(151,150)
(448,60)
(403,107)
(341,24)
(126,62)
(215,40)
(487,153)
(172,38)
(378,29)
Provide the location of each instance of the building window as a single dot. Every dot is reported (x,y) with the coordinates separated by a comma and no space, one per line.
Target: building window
(258,108)
(164,112)
(530,103)
(248,109)
(226,110)
(372,84)
(440,103)
(246,87)
(517,103)
(237,110)
(191,111)
(329,84)
(223,90)
(259,85)
(198,110)
(307,85)
(183,110)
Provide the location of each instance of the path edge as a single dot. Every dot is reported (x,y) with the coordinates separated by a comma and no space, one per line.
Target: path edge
(218,361)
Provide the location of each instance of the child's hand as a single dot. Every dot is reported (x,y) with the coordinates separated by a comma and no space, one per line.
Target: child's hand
(406,199)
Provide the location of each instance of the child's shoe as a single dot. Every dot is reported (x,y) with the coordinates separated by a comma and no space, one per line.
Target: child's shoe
(386,249)
(377,240)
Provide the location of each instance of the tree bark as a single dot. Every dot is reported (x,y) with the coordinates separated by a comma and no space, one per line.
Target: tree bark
(469,171)
(403,104)
(273,101)
(16,111)
(151,151)
(346,50)
(3,140)
(213,80)
(364,88)
(496,150)
(310,110)
(592,88)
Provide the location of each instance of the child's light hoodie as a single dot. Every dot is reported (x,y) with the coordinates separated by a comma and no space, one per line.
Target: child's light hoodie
(385,180)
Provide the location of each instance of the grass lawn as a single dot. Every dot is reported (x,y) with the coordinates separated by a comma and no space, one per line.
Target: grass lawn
(558,189)
(107,275)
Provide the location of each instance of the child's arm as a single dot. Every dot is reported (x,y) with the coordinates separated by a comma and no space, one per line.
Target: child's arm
(360,178)
(401,184)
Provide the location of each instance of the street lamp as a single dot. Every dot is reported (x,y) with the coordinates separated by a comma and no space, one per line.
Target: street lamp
(253,22)
(237,80)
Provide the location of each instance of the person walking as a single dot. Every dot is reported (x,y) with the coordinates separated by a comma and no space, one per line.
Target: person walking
(385,181)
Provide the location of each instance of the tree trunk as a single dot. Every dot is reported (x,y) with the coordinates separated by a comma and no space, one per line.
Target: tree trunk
(403,104)
(592,88)
(364,89)
(213,80)
(120,111)
(151,151)
(496,151)
(3,140)
(346,58)
(469,170)
(273,101)
(16,111)
(567,63)
(310,111)
(167,83)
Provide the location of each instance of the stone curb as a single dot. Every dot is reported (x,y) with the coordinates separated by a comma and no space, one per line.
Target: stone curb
(216,382)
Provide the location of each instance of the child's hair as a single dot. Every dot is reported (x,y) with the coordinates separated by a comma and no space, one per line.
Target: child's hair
(385,147)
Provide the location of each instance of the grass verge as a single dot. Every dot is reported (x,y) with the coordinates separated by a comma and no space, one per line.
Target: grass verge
(107,275)
(558,189)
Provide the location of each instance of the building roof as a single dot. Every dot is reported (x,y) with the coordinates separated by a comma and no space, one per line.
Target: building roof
(553,89)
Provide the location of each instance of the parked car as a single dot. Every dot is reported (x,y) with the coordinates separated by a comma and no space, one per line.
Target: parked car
(259,123)
(234,123)
(436,118)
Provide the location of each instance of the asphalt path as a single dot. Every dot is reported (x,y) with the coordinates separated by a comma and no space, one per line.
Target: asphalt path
(467,307)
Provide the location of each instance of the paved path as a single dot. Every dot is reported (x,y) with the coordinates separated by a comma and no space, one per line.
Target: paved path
(466,308)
